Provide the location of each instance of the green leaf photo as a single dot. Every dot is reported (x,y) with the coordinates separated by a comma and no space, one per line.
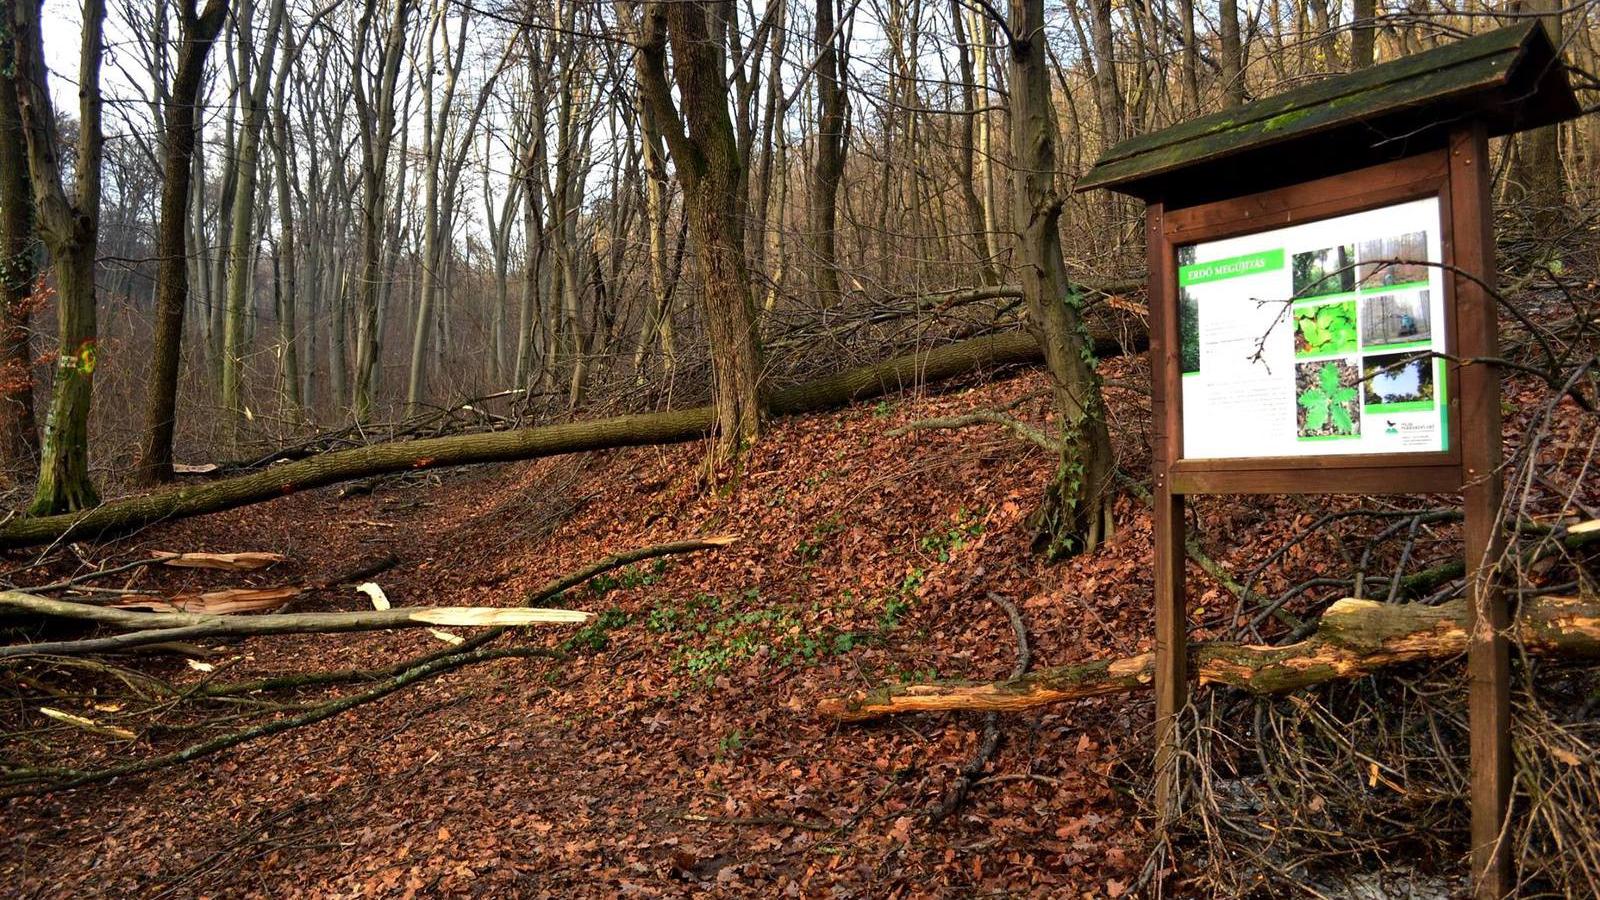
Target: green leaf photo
(1327,402)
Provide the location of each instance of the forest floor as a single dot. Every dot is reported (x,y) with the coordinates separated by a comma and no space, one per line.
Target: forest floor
(674,751)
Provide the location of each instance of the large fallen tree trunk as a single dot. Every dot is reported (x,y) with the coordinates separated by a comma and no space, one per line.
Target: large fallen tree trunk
(1353,638)
(524,443)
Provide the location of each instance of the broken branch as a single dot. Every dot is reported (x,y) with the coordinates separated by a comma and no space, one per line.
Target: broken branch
(1353,638)
(154,627)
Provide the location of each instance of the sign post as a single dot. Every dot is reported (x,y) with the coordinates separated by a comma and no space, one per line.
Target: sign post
(1323,320)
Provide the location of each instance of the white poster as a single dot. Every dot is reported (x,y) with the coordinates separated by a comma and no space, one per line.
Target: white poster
(1315,340)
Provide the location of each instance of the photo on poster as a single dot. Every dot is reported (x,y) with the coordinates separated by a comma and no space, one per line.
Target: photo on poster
(1188,320)
(1325,329)
(1188,332)
(1331,270)
(1398,382)
(1380,265)
(1396,319)
(1326,400)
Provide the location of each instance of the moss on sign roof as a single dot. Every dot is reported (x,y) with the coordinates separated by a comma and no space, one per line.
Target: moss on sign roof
(1511,78)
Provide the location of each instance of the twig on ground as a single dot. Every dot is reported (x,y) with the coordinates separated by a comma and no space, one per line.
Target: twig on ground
(991,723)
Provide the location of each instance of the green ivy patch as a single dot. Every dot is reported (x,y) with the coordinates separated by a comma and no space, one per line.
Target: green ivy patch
(1325,330)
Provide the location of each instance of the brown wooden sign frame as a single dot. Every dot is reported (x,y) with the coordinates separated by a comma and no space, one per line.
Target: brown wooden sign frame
(1458,177)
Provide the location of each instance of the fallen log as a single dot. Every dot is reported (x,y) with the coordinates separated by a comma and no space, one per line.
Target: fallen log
(1353,638)
(228,562)
(158,627)
(676,426)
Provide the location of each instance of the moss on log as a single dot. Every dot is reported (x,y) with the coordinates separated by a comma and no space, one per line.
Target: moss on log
(1353,638)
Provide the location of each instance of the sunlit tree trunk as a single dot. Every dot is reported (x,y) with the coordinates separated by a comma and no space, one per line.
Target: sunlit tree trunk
(1231,58)
(657,326)
(704,149)
(1363,30)
(829,166)
(1190,67)
(1076,513)
(288,296)
(965,149)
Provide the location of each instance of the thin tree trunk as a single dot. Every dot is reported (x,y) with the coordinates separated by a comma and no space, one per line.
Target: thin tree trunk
(1191,58)
(1231,62)
(288,327)
(19,253)
(1076,513)
(255,75)
(197,33)
(965,141)
(657,327)
(376,142)
(829,166)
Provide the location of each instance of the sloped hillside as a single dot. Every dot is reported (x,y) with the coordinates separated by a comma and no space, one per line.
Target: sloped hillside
(672,748)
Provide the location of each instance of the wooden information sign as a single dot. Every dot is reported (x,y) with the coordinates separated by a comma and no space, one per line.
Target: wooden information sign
(1321,270)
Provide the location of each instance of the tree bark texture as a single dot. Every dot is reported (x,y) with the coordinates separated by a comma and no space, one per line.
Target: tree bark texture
(196,35)
(705,150)
(1076,512)
(70,230)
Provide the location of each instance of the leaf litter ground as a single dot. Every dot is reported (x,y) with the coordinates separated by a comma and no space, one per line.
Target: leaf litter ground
(674,752)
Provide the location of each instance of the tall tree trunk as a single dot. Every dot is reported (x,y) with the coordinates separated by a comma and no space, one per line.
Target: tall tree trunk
(657,327)
(288,327)
(1107,91)
(1231,62)
(1538,171)
(1363,30)
(70,229)
(982,32)
(829,167)
(705,151)
(19,434)
(197,33)
(965,156)
(1076,513)
(376,143)
(1191,58)
(243,245)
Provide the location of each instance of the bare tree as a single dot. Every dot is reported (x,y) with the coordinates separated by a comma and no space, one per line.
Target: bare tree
(705,152)
(255,77)
(1076,513)
(832,112)
(69,227)
(446,147)
(376,103)
(197,31)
